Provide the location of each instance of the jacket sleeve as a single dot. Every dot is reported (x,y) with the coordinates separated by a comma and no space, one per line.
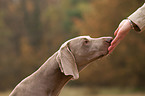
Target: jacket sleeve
(138,17)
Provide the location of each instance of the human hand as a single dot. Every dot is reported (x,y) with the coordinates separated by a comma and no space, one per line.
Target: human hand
(122,30)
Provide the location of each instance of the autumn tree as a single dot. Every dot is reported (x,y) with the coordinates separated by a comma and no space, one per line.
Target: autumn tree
(124,67)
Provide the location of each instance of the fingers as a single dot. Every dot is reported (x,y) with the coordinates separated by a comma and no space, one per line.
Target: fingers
(120,33)
(116,31)
(119,36)
(116,39)
(110,49)
(114,43)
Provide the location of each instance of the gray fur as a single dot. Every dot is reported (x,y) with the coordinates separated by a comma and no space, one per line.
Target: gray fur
(73,56)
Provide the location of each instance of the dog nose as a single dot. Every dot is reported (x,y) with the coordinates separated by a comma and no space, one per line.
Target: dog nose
(108,39)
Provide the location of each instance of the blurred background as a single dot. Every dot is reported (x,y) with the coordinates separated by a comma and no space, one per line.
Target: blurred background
(32,30)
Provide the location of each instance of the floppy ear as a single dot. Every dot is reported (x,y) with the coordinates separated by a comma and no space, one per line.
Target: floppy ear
(67,62)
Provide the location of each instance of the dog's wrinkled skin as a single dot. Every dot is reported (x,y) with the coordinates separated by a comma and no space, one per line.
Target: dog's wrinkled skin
(65,64)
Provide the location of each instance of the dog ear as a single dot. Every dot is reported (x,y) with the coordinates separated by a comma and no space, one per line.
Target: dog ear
(67,62)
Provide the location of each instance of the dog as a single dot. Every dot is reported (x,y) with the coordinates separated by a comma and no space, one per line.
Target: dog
(72,57)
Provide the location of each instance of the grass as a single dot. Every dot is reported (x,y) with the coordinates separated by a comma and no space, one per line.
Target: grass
(85,91)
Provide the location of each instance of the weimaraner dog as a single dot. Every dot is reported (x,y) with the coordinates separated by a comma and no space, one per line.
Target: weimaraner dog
(64,65)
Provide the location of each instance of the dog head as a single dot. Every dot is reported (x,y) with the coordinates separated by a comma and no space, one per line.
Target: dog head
(76,53)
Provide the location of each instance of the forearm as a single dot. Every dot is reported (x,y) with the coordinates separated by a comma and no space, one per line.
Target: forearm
(138,18)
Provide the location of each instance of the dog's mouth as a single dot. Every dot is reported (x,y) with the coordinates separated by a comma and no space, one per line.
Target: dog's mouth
(107,51)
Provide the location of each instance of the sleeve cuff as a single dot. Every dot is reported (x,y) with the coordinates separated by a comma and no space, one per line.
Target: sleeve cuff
(138,18)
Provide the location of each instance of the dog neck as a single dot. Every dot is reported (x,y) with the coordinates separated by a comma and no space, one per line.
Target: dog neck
(52,76)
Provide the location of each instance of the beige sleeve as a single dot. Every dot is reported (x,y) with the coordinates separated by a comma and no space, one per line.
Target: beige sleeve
(138,17)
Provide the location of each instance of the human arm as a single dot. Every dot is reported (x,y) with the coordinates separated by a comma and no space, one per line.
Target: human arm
(138,17)
(135,21)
